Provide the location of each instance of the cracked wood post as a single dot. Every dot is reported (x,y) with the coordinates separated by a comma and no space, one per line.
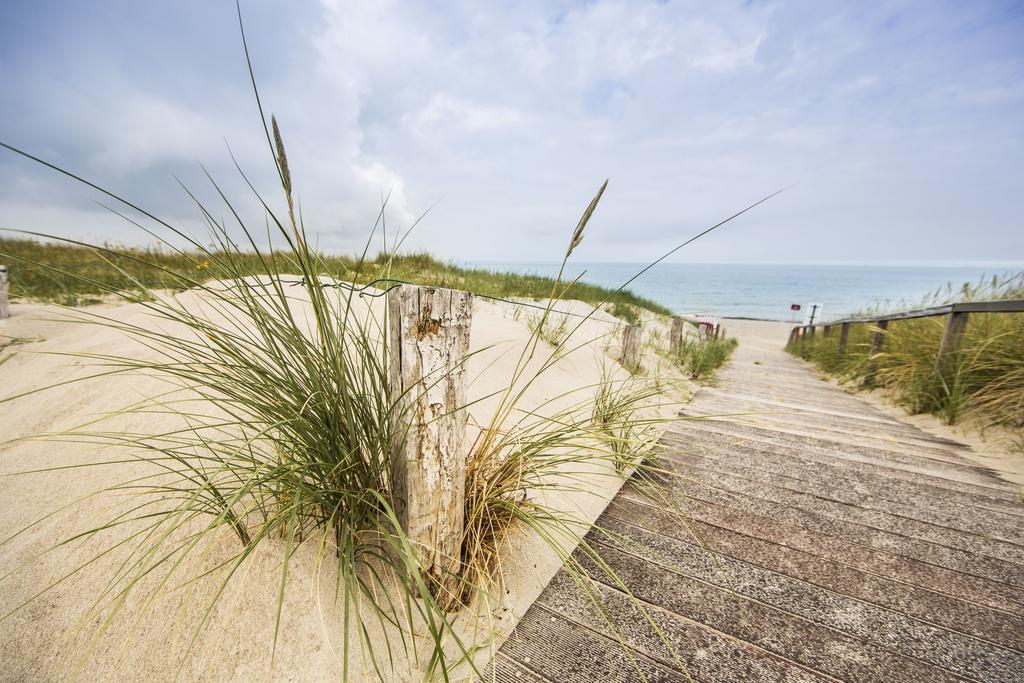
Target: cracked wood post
(844,334)
(630,358)
(675,336)
(428,342)
(955,326)
(5,311)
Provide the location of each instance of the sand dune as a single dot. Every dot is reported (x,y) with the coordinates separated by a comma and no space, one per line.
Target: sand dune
(47,638)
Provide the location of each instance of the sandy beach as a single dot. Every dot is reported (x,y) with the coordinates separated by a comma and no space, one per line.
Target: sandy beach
(49,637)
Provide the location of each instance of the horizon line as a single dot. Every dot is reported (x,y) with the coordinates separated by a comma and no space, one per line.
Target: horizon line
(937,263)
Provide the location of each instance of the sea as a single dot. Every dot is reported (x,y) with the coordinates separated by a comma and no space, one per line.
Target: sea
(772,291)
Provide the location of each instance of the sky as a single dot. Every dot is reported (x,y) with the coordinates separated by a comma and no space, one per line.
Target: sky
(898,124)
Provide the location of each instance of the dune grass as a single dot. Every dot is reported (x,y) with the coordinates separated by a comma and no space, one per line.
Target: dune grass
(287,426)
(700,358)
(279,370)
(75,275)
(982,382)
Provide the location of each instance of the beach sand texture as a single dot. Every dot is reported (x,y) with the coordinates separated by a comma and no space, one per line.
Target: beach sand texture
(44,640)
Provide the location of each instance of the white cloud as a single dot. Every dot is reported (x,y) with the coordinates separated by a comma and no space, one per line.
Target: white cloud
(509,115)
(444,110)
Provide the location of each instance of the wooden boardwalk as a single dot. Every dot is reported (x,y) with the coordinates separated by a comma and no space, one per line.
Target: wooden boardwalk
(841,545)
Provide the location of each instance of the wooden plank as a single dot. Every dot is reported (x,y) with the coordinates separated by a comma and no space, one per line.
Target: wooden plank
(428,342)
(936,462)
(783,633)
(995,595)
(858,479)
(888,629)
(1009,557)
(707,541)
(794,509)
(702,652)
(1003,306)
(505,669)
(561,650)
(825,425)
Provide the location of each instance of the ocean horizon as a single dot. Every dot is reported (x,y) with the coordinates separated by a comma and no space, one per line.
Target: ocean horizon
(768,291)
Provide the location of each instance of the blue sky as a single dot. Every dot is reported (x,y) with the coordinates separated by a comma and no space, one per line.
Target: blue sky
(901,123)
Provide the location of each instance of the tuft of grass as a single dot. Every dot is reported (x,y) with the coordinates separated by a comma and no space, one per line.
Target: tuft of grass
(553,329)
(625,311)
(617,415)
(982,381)
(700,358)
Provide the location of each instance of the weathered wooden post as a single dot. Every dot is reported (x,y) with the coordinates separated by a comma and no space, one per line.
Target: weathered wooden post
(676,334)
(5,311)
(810,331)
(844,334)
(878,338)
(955,326)
(877,342)
(630,358)
(428,342)
(826,331)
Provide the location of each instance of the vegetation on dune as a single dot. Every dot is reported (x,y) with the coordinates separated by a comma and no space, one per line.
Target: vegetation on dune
(981,381)
(278,363)
(287,427)
(74,275)
(699,359)
(698,356)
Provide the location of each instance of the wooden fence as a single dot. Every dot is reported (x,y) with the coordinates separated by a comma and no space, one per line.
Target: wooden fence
(956,324)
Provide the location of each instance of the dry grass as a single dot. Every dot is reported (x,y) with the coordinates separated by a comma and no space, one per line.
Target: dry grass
(982,382)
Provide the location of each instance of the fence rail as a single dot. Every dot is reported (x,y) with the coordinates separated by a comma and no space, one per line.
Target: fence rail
(955,325)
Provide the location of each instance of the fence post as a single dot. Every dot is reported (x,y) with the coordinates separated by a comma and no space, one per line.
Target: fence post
(826,331)
(955,326)
(630,358)
(878,338)
(675,336)
(428,341)
(877,342)
(810,331)
(5,311)
(844,334)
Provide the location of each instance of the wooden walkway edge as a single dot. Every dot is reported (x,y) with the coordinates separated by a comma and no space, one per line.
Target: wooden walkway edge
(827,542)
